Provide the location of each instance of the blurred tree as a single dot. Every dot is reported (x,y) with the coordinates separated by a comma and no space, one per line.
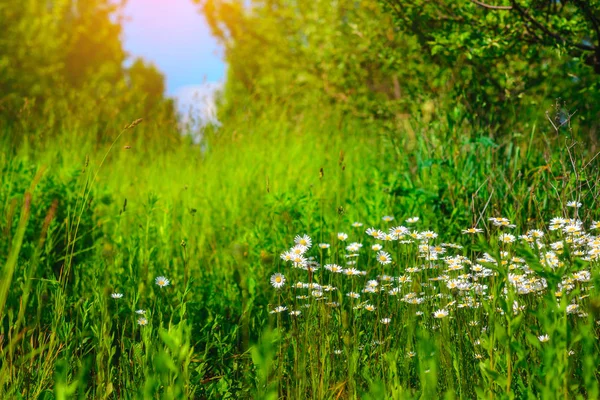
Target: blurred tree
(62,64)
(384,59)
(94,44)
(146,78)
(300,53)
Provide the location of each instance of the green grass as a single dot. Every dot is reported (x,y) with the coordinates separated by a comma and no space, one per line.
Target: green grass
(214,219)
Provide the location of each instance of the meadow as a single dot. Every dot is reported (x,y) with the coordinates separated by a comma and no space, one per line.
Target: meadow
(315,258)
(400,201)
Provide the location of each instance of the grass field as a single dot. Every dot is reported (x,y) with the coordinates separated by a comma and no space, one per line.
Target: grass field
(138,269)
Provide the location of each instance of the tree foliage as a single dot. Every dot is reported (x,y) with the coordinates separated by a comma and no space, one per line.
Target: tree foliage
(512,50)
(301,53)
(62,66)
(389,58)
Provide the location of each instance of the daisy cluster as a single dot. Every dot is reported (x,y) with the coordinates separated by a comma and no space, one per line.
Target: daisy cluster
(378,271)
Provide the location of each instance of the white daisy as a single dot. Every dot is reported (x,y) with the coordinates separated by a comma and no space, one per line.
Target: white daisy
(298,250)
(354,247)
(351,272)
(334,268)
(428,235)
(398,231)
(571,308)
(299,261)
(384,258)
(472,230)
(572,228)
(277,280)
(303,240)
(162,281)
(372,283)
(506,238)
(373,232)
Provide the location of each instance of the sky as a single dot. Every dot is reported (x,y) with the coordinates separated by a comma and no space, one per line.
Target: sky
(176,38)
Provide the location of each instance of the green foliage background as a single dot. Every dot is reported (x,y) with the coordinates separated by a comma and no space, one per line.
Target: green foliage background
(61,69)
(383,59)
